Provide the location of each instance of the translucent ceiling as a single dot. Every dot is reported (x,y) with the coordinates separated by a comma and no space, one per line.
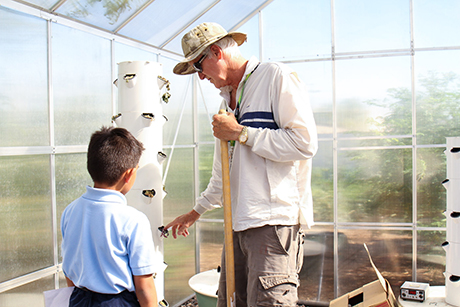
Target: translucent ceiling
(160,23)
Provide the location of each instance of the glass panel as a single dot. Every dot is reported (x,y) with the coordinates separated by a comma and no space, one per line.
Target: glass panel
(431,195)
(375,185)
(211,236)
(226,13)
(23,80)
(362,25)
(374,96)
(322,183)
(317,76)
(179,108)
(180,253)
(71,180)
(162,19)
(47,4)
(106,14)
(297,29)
(251,46)
(83,98)
(436,23)
(391,252)
(205,156)
(374,141)
(209,102)
(431,257)
(437,87)
(25,215)
(317,274)
(124,53)
(30,294)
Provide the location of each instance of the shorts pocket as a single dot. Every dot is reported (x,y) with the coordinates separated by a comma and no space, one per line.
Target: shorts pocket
(278,290)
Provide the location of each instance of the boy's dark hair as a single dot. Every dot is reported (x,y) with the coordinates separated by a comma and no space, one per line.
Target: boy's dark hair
(111,152)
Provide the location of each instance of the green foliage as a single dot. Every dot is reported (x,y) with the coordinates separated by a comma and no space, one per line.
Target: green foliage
(376,185)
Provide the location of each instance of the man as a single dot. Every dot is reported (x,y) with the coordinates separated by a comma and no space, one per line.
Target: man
(272,135)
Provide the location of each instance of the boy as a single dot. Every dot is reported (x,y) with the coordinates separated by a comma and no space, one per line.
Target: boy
(107,246)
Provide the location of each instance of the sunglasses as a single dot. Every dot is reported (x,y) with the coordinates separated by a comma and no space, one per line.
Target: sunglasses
(197,65)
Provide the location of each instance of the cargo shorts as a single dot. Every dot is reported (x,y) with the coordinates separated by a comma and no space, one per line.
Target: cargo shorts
(268,260)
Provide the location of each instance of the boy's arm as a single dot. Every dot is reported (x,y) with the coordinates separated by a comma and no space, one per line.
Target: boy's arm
(145,290)
(69,282)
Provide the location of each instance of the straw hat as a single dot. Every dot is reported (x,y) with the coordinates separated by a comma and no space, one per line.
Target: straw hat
(198,39)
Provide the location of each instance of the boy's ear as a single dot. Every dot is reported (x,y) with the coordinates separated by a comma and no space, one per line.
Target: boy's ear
(128,174)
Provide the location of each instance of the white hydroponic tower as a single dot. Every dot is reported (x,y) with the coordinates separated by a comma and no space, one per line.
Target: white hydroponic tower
(452,243)
(140,112)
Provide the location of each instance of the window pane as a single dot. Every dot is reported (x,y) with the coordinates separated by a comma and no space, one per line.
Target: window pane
(25,215)
(297,29)
(251,46)
(23,80)
(180,253)
(375,186)
(211,240)
(179,127)
(206,156)
(71,181)
(438,102)
(431,195)
(362,25)
(436,23)
(374,96)
(317,274)
(431,257)
(30,294)
(317,76)
(104,14)
(82,84)
(391,252)
(322,183)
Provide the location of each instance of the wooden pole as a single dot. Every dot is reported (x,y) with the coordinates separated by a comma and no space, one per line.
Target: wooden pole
(229,256)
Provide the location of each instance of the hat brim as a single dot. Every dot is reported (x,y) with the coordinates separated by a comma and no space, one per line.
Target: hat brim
(184,68)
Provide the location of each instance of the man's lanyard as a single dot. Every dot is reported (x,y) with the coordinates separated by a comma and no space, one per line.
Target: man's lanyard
(237,110)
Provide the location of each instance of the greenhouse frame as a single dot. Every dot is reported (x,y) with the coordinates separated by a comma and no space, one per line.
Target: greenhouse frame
(384,86)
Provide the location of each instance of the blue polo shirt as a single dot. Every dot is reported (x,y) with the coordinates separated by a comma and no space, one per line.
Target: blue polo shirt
(105,242)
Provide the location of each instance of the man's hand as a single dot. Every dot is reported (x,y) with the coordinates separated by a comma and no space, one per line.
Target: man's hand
(181,223)
(226,127)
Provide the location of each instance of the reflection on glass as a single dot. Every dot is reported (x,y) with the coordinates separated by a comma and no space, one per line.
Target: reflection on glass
(391,252)
(431,257)
(105,14)
(375,185)
(23,80)
(83,97)
(374,97)
(362,25)
(30,294)
(437,87)
(25,215)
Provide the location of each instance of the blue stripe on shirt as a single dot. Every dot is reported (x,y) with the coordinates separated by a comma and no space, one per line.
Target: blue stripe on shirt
(258,120)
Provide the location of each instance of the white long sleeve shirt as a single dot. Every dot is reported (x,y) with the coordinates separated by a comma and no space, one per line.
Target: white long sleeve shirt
(270,176)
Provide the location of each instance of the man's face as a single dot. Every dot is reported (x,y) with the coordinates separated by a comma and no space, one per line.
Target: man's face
(211,66)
